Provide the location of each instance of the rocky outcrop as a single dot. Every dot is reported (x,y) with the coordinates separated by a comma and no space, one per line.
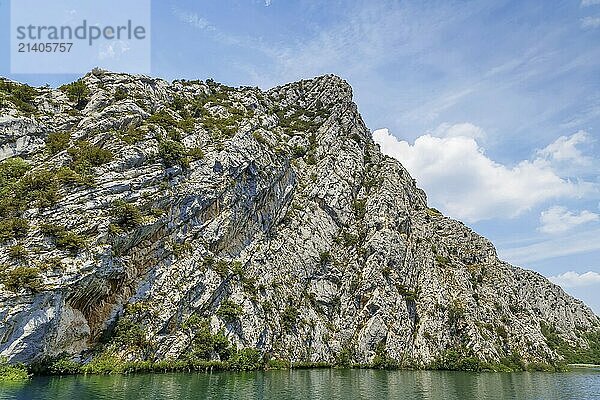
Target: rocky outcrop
(272,216)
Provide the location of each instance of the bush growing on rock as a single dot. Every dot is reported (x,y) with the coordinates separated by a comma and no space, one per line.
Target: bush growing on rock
(77,92)
(17,252)
(247,360)
(11,170)
(22,278)
(126,215)
(172,153)
(64,239)
(195,153)
(129,333)
(289,317)
(22,96)
(187,124)
(163,118)
(120,94)
(13,227)
(204,344)
(40,187)
(132,135)
(57,141)
(86,155)
(229,310)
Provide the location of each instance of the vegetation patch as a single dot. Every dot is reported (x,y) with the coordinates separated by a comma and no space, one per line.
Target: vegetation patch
(77,92)
(126,216)
(204,345)
(57,142)
(442,260)
(172,153)
(289,318)
(120,94)
(195,153)
(12,372)
(229,310)
(382,360)
(461,360)
(22,96)
(17,252)
(86,155)
(63,238)
(573,354)
(163,118)
(13,228)
(22,277)
(360,208)
(132,135)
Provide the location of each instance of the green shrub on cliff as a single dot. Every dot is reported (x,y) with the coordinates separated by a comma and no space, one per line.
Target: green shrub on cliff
(86,155)
(571,354)
(247,360)
(22,278)
(229,310)
(57,141)
(63,238)
(77,92)
(172,153)
(13,227)
(125,215)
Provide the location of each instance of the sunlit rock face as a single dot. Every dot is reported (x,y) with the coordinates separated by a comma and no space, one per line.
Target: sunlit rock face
(271,216)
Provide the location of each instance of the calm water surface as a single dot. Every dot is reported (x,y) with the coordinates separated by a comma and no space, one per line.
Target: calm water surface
(314,384)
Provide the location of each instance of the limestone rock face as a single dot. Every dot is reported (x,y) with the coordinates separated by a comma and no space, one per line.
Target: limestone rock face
(270,214)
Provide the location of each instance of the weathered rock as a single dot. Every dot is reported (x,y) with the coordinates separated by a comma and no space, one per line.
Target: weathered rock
(292,213)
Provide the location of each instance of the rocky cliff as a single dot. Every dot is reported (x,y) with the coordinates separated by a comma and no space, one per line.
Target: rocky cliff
(168,220)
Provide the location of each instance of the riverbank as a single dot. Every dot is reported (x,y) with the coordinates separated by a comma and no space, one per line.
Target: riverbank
(252,360)
(585,366)
(13,373)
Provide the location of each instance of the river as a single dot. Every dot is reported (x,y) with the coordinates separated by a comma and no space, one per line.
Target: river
(353,384)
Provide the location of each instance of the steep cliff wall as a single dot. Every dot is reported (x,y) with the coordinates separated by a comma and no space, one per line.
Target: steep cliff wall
(146,214)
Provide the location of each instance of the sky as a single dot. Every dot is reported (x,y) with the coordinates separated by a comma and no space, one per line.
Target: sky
(493,106)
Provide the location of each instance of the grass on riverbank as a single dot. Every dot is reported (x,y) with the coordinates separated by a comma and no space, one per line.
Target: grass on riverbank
(254,360)
(12,373)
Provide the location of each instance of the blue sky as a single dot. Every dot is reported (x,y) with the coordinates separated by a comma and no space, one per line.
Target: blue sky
(494,106)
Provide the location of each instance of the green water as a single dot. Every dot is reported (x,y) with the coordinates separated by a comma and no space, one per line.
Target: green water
(315,384)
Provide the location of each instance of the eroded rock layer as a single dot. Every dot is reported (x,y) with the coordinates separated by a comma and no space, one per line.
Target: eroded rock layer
(143,210)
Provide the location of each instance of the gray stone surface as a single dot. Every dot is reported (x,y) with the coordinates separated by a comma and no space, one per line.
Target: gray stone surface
(320,222)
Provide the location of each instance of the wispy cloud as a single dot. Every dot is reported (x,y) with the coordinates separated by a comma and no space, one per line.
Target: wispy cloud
(581,242)
(559,219)
(192,19)
(361,39)
(590,22)
(572,279)
(585,3)
(113,50)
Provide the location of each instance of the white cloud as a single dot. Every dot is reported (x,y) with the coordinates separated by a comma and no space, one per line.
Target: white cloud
(267,3)
(590,22)
(565,148)
(572,279)
(585,3)
(558,219)
(466,184)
